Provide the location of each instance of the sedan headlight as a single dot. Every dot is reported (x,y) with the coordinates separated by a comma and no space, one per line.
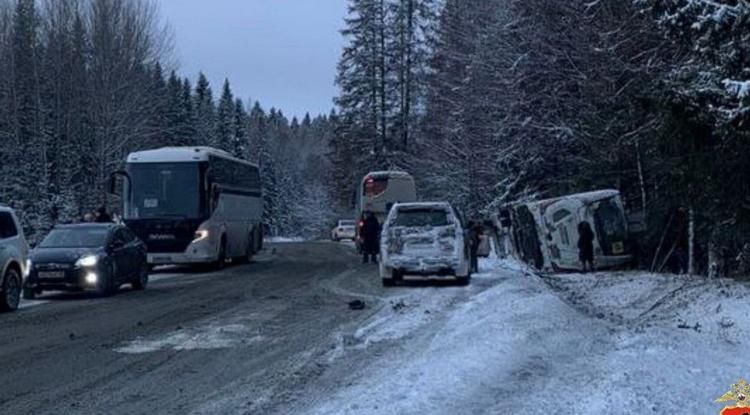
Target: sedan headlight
(27,270)
(87,261)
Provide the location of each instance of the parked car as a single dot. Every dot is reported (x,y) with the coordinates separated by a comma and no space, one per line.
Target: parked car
(98,257)
(423,239)
(345,229)
(13,255)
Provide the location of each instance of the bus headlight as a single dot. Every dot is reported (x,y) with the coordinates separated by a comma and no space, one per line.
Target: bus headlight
(200,235)
(87,261)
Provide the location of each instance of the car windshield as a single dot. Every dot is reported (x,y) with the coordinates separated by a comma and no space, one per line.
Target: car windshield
(421,217)
(75,238)
(346,223)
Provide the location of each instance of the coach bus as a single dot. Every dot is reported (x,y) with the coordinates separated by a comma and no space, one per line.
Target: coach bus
(193,205)
(380,190)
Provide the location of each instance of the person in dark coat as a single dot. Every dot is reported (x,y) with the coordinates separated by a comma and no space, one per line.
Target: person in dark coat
(475,232)
(586,246)
(370,238)
(102,216)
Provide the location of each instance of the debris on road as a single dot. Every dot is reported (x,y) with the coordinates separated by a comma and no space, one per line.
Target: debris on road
(357,305)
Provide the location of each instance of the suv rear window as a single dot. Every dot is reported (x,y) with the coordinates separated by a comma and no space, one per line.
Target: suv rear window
(421,217)
(7,226)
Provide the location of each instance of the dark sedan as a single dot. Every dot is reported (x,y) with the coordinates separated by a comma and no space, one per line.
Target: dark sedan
(98,257)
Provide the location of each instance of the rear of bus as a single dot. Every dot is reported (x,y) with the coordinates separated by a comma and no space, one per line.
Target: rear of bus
(379,191)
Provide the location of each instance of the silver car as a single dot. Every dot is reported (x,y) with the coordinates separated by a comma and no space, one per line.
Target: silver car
(14,252)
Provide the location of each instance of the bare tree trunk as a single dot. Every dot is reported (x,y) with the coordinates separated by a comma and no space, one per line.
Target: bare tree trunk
(407,73)
(383,103)
(641,180)
(691,241)
(661,243)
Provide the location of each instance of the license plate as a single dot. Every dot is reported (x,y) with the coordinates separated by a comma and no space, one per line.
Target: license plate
(52,275)
(618,248)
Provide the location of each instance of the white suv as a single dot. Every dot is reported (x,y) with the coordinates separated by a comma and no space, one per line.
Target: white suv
(13,254)
(423,239)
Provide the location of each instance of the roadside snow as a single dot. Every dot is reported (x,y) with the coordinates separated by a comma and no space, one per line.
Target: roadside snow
(615,343)
(283,239)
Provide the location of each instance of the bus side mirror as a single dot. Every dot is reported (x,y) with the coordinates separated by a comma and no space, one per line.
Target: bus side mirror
(112,182)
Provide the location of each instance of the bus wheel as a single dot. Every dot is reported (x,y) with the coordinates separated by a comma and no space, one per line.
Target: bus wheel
(251,248)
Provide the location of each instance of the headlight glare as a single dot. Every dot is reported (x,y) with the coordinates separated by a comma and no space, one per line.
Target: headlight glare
(200,235)
(87,261)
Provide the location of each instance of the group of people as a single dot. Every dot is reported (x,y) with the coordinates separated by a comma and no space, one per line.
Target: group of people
(98,216)
(370,234)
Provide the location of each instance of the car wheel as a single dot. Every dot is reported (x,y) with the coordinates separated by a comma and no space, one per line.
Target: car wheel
(142,279)
(105,285)
(11,295)
(388,282)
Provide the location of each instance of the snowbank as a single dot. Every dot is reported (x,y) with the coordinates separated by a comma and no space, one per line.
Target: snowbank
(624,343)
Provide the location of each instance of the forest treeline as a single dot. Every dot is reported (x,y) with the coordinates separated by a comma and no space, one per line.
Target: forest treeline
(487,102)
(484,102)
(83,83)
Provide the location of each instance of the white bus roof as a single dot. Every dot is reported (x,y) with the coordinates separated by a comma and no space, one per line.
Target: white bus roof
(180,154)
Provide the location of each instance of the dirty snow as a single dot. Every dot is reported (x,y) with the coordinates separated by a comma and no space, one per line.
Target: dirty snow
(626,343)
(283,239)
(202,338)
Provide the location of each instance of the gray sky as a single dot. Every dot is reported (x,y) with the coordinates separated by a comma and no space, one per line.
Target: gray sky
(282,53)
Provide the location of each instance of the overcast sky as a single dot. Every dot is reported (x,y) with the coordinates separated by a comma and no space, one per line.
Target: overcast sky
(282,53)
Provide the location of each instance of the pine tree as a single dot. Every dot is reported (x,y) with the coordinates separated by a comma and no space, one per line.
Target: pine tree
(205,112)
(187,134)
(240,124)
(225,120)
(173,115)
(30,190)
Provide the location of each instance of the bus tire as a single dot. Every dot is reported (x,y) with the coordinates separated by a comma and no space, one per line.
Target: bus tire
(251,248)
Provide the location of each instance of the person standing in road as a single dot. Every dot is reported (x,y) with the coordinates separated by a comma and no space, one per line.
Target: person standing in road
(370,238)
(586,246)
(475,232)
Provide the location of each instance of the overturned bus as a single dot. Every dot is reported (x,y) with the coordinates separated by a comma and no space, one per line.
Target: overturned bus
(544,233)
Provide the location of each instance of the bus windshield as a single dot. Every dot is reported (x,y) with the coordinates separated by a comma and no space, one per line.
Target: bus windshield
(164,190)
(375,186)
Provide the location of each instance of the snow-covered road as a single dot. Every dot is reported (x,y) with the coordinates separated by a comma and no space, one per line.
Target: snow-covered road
(277,337)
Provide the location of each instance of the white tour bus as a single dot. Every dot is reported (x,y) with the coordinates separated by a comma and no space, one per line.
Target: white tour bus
(379,191)
(193,205)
